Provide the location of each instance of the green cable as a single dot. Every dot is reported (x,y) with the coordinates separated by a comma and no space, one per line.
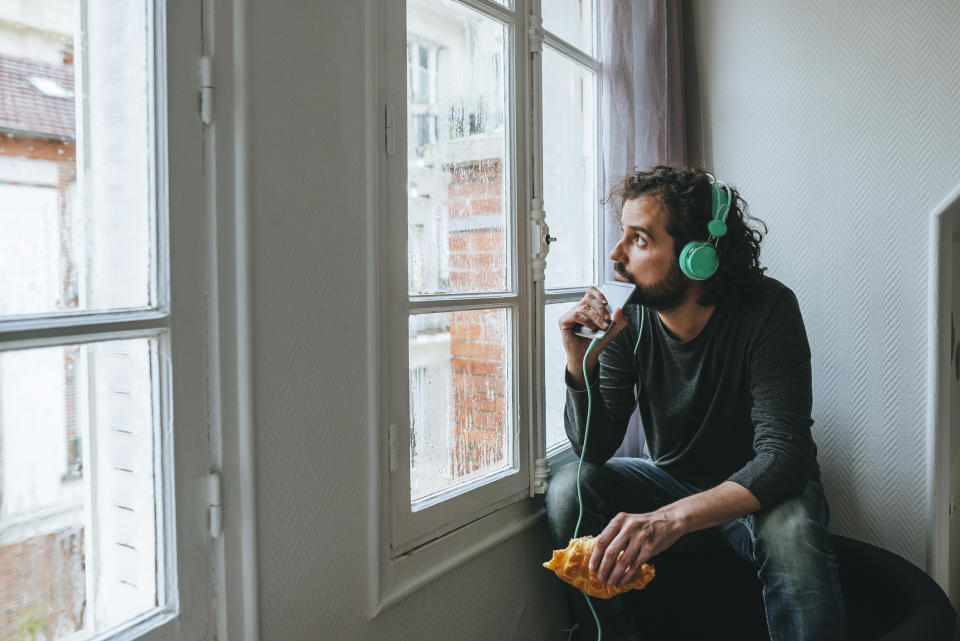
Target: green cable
(583,450)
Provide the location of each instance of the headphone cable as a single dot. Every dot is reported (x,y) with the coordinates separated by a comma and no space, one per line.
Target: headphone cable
(583,451)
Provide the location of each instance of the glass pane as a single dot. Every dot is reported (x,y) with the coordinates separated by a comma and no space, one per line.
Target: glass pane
(569,170)
(555,362)
(457,165)
(78,518)
(460,399)
(75,227)
(570,20)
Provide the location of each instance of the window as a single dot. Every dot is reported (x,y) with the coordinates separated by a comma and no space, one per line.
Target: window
(570,183)
(100,338)
(500,124)
(460,437)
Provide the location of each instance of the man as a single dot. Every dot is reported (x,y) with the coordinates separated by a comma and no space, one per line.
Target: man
(722,378)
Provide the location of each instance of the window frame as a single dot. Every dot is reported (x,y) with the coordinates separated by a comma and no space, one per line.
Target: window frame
(410,529)
(181,311)
(398,565)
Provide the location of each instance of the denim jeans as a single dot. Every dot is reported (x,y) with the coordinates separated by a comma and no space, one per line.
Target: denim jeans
(788,545)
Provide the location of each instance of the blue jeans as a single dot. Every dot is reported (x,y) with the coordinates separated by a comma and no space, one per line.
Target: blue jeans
(788,545)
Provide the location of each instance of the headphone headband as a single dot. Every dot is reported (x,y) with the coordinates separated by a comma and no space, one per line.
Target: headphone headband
(699,259)
(720,207)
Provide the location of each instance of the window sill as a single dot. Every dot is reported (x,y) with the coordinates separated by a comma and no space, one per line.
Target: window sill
(395,579)
(399,578)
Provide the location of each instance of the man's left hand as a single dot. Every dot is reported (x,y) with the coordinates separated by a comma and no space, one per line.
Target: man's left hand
(639,536)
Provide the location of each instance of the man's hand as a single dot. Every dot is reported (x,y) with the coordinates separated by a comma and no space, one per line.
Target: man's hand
(591,312)
(640,537)
(643,536)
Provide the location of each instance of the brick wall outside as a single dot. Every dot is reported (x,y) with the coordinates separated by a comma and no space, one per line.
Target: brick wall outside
(42,589)
(477,338)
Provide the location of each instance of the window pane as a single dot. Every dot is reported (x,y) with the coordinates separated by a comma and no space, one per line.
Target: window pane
(78,519)
(569,170)
(555,362)
(75,227)
(571,20)
(457,167)
(460,399)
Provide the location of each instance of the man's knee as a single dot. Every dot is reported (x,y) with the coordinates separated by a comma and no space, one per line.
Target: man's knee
(561,500)
(562,486)
(792,535)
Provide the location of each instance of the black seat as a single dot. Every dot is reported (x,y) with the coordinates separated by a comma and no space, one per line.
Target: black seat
(887,598)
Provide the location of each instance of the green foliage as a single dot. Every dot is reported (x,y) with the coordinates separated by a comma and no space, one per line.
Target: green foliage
(33,621)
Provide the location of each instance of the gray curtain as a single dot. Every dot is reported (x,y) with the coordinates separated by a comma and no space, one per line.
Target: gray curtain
(641,111)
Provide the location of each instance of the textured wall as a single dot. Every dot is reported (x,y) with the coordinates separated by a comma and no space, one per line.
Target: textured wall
(309,181)
(839,121)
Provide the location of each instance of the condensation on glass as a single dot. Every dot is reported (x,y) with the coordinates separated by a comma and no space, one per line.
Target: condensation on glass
(572,21)
(460,399)
(569,170)
(79,424)
(76,201)
(457,207)
(78,516)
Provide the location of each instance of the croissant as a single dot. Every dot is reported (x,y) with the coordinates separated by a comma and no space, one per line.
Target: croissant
(570,564)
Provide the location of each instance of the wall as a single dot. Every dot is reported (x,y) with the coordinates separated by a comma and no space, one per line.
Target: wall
(839,121)
(310,281)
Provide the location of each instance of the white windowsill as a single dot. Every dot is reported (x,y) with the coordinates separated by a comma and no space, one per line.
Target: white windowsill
(404,575)
(401,577)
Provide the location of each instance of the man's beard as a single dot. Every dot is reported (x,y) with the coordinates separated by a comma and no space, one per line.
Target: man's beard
(663,296)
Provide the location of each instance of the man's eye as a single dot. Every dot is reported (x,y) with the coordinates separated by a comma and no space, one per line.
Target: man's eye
(639,240)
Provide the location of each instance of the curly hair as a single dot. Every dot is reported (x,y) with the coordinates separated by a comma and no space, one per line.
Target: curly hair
(687,196)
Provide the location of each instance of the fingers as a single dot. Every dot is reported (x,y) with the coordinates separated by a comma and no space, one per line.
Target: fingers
(594,305)
(596,296)
(632,572)
(619,321)
(612,565)
(591,317)
(590,311)
(629,561)
(604,553)
(603,540)
(621,550)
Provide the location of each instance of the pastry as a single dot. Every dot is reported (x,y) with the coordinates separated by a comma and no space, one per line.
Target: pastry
(570,564)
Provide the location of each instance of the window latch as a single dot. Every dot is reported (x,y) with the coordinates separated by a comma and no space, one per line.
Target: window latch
(540,239)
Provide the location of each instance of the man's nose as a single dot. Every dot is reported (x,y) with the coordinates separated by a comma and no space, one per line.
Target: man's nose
(616,254)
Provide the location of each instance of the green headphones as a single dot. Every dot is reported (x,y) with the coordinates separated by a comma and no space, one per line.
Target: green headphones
(699,259)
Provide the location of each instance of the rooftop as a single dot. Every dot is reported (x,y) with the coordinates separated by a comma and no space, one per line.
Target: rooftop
(36,98)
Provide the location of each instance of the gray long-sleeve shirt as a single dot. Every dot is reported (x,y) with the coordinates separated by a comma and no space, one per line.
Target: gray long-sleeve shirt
(732,404)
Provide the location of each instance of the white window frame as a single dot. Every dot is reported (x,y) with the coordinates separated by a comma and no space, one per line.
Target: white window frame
(181,230)
(409,550)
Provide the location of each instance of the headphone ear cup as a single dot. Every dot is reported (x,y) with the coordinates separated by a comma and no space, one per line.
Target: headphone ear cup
(699,260)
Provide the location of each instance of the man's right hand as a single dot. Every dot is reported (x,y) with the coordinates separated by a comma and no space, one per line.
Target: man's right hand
(591,312)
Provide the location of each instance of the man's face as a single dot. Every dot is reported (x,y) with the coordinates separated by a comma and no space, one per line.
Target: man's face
(644,256)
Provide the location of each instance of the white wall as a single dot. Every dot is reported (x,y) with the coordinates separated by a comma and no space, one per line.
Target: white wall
(839,121)
(310,279)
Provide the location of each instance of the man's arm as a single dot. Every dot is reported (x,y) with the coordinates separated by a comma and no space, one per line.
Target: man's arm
(612,397)
(782,391)
(643,536)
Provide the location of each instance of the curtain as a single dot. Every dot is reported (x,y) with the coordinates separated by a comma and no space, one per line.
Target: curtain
(641,110)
